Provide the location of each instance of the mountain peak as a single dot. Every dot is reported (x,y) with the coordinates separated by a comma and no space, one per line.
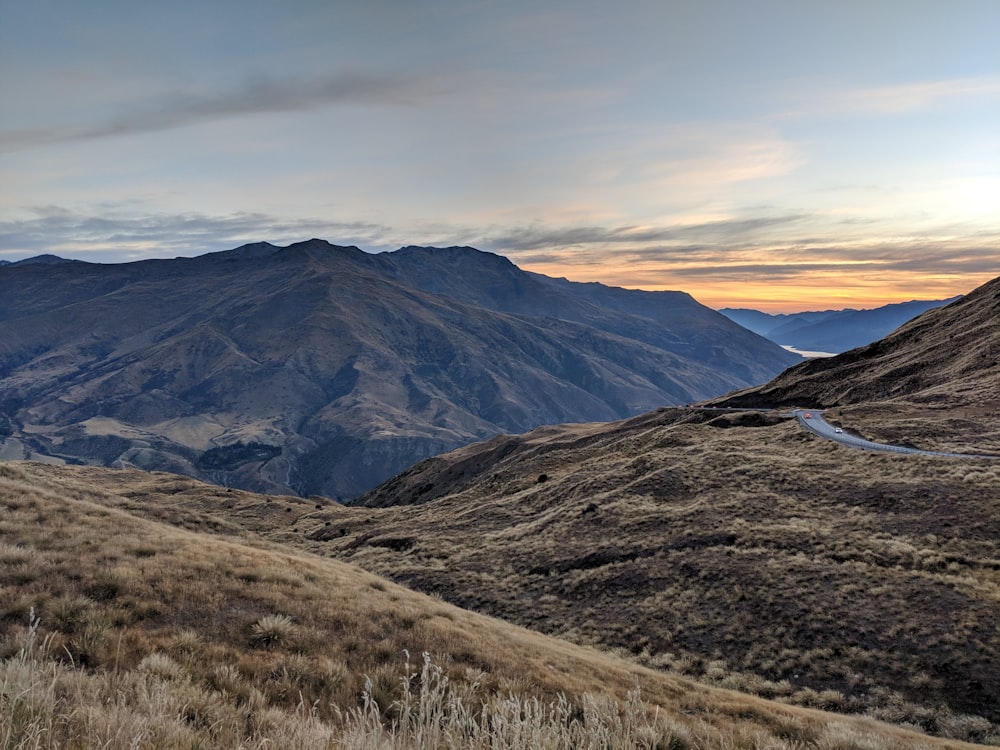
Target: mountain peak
(453,253)
(42,260)
(253,250)
(321,249)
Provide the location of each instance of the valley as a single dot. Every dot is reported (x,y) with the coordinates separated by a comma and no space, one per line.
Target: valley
(705,548)
(831,331)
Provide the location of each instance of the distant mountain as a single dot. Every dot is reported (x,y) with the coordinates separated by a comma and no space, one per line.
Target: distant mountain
(946,356)
(39,260)
(831,331)
(323,369)
(672,321)
(763,323)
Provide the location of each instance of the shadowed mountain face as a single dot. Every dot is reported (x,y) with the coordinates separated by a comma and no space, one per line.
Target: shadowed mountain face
(949,356)
(831,330)
(323,369)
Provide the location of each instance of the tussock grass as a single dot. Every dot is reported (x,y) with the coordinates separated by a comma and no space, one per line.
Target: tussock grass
(758,558)
(167,663)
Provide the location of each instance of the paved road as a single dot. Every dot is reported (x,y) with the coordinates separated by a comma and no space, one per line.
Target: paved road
(814,422)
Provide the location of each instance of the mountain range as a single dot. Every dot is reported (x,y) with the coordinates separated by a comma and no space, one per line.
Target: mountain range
(320,369)
(830,331)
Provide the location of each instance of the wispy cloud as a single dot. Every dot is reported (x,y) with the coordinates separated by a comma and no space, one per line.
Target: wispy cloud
(116,238)
(892,99)
(257,96)
(752,256)
(523,239)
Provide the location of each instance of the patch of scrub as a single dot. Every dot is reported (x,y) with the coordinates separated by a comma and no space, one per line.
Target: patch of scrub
(107,426)
(193,432)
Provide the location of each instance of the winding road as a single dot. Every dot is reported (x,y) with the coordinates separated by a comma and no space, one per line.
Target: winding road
(815,423)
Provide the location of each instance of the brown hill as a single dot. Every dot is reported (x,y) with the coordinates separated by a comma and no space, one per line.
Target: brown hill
(735,547)
(119,631)
(324,369)
(739,547)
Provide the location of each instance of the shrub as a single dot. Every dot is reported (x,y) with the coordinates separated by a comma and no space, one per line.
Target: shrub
(68,613)
(271,631)
(106,586)
(162,666)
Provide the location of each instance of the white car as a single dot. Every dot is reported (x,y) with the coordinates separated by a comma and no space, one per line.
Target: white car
(838,430)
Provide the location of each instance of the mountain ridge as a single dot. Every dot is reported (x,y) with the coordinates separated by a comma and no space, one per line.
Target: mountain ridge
(946,354)
(832,331)
(334,355)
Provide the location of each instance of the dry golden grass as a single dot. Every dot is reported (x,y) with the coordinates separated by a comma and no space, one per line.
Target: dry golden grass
(121,631)
(761,558)
(756,557)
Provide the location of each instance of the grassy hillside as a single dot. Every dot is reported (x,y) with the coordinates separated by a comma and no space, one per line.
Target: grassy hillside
(120,631)
(736,548)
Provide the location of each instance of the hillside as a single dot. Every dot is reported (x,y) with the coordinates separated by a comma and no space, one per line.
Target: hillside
(933,383)
(832,331)
(947,355)
(120,631)
(317,369)
(735,549)
(736,546)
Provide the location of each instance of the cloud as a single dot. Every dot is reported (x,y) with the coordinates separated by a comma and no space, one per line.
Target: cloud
(117,238)
(258,96)
(717,260)
(522,239)
(895,99)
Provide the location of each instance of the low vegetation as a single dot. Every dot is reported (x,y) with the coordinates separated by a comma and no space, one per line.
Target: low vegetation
(237,454)
(731,548)
(734,548)
(120,631)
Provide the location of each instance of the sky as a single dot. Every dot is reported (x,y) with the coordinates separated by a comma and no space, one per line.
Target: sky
(778,154)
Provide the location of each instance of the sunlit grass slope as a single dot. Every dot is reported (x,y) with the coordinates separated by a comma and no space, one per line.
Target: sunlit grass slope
(120,631)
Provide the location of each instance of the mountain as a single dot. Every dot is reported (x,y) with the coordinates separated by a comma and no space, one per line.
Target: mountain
(39,260)
(672,321)
(735,546)
(763,323)
(832,331)
(318,369)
